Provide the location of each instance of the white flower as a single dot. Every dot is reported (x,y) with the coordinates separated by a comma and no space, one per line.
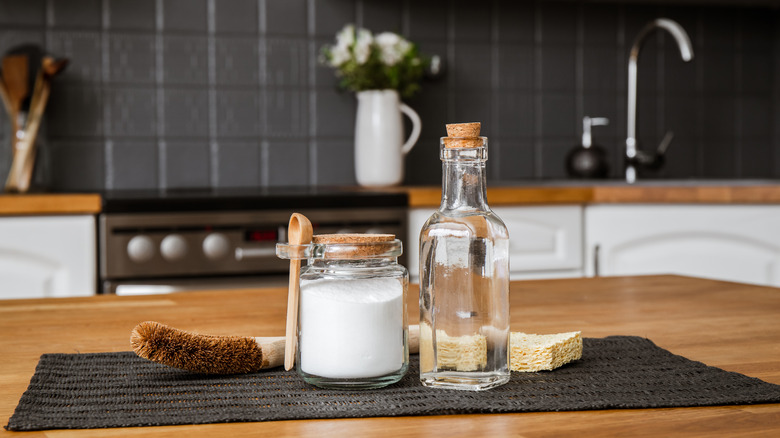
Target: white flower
(363,46)
(387,39)
(365,61)
(338,55)
(392,47)
(342,51)
(346,37)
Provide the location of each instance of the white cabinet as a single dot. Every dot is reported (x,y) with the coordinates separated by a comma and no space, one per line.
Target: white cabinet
(544,241)
(726,242)
(47,256)
(417,218)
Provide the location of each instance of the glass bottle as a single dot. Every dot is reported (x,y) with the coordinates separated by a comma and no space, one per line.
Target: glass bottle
(464,276)
(352,324)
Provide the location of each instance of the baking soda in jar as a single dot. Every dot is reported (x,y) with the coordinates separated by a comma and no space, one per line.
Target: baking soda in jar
(352,327)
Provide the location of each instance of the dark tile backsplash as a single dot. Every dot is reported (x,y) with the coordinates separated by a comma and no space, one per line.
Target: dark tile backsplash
(213,93)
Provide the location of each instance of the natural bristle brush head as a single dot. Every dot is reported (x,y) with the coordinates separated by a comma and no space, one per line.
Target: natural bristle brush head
(196,352)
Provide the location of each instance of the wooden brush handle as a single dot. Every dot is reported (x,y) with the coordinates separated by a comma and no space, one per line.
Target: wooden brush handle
(273,351)
(210,354)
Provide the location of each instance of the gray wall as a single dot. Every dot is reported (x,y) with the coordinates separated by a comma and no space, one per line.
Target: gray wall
(216,93)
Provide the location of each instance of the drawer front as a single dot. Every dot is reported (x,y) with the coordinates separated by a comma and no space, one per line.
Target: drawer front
(724,242)
(543,238)
(47,256)
(544,241)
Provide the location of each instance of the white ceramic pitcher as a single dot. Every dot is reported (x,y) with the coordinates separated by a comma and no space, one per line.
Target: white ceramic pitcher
(379,143)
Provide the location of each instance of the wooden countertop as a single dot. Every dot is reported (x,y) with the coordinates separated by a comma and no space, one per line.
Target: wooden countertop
(49,203)
(728,325)
(535,193)
(688,193)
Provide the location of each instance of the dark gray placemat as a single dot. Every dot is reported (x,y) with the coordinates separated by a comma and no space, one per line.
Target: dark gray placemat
(81,391)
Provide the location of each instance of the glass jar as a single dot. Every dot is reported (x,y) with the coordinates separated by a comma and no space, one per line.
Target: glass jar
(464,278)
(352,323)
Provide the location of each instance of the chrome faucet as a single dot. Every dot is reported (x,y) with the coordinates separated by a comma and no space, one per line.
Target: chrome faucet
(635,157)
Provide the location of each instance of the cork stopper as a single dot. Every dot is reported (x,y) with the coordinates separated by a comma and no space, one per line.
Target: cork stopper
(463,135)
(356,245)
(465,130)
(352,238)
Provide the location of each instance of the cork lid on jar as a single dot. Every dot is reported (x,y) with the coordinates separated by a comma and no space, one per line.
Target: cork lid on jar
(344,246)
(463,135)
(352,238)
(357,246)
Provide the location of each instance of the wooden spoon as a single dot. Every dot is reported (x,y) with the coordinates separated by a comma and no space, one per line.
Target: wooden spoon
(53,66)
(20,174)
(16,78)
(6,98)
(299,232)
(50,67)
(17,87)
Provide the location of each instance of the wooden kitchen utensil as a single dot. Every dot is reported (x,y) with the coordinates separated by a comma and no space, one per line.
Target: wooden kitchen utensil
(50,67)
(21,65)
(17,86)
(299,232)
(20,174)
(4,96)
(34,55)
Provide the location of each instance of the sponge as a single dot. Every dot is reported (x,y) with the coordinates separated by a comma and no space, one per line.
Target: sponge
(529,352)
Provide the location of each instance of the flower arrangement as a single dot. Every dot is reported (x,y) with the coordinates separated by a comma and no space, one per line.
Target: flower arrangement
(364,61)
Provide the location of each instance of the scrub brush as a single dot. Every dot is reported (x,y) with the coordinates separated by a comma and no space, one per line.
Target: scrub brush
(205,353)
(209,354)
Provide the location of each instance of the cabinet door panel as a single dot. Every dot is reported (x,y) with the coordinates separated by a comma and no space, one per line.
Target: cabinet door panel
(30,272)
(48,256)
(724,257)
(544,241)
(417,219)
(543,238)
(726,242)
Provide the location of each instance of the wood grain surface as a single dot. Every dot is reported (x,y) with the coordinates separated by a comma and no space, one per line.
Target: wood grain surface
(729,325)
(430,196)
(29,204)
(596,194)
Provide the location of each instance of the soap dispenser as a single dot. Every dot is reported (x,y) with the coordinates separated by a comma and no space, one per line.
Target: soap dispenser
(588,160)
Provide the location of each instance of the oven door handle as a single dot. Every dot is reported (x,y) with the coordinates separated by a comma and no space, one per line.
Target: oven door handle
(249,253)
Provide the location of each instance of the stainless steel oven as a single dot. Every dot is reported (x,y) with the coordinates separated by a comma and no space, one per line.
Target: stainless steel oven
(157,242)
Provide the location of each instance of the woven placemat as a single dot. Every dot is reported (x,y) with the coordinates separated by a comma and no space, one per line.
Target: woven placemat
(81,391)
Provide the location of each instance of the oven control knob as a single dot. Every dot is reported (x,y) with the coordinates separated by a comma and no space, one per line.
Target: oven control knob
(173,247)
(140,249)
(216,246)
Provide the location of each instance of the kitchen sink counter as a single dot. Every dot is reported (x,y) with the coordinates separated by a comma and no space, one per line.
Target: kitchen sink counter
(49,204)
(595,192)
(728,325)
